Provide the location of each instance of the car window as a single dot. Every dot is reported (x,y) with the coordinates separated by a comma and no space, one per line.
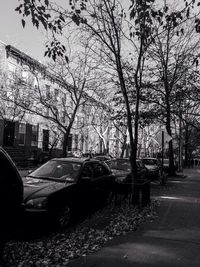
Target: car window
(139,164)
(57,170)
(166,161)
(100,169)
(87,171)
(106,167)
(150,161)
(120,164)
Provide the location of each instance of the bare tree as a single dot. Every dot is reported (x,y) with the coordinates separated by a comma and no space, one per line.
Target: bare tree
(9,85)
(104,20)
(173,54)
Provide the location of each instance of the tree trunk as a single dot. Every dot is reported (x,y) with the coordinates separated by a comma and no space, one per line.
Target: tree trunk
(51,150)
(65,143)
(130,130)
(186,146)
(133,143)
(123,146)
(171,150)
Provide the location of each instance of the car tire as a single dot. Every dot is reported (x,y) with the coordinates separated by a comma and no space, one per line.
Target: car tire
(63,217)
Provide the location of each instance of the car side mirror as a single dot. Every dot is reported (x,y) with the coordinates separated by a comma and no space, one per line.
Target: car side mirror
(30,171)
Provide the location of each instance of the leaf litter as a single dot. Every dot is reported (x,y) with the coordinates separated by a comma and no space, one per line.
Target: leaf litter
(85,238)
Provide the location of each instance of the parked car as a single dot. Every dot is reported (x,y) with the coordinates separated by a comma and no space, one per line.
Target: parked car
(166,165)
(11,199)
(63,187)
(103,158)
(121,168)
(154,167)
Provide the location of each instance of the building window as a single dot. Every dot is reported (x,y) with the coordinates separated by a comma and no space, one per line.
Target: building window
(56,94)
(47,112)
(22,133)
(34,135)
(11,70)
(72,104)
(48,96)
(76,142)
(82,121)
(10,99)
(35,83)
(64,116)
(11,67)
(64,99)
(83,108)
(77,119)
(25,75)
(82,142)
(45,141)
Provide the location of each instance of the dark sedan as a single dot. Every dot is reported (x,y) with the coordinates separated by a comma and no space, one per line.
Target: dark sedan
(154,167)
(121,168)
(64,186)
(166,165)
(11,200)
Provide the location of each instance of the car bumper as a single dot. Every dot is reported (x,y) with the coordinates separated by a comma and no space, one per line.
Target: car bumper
(36,216)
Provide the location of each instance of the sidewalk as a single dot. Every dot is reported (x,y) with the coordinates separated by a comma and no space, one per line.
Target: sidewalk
(173,239)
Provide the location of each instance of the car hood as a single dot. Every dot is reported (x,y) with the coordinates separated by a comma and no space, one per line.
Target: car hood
(36,187)
(120,173)
(151,167)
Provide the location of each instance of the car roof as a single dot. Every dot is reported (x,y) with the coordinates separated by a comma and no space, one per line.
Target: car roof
(75,160)
(120,158)
(15,178)
(150,158)
(124,159)
(102,157)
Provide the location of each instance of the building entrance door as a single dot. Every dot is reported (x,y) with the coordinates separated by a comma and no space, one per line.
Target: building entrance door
(45,141)
(9,133)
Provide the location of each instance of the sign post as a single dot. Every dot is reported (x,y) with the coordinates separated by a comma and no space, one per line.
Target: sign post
(162,153)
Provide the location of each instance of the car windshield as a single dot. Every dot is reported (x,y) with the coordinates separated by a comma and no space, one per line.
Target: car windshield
(55,169)
(140,164)
(150,161)
(102,158)
(120,164)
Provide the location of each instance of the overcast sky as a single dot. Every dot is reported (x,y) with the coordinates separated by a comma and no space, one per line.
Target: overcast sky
(29,40)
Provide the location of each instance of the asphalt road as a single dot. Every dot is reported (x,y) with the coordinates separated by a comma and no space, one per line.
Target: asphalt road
(173,239)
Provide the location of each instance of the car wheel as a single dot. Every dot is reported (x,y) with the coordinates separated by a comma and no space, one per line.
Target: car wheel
(63,218)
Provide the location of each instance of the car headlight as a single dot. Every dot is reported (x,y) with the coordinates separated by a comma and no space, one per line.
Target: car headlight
(37,203)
